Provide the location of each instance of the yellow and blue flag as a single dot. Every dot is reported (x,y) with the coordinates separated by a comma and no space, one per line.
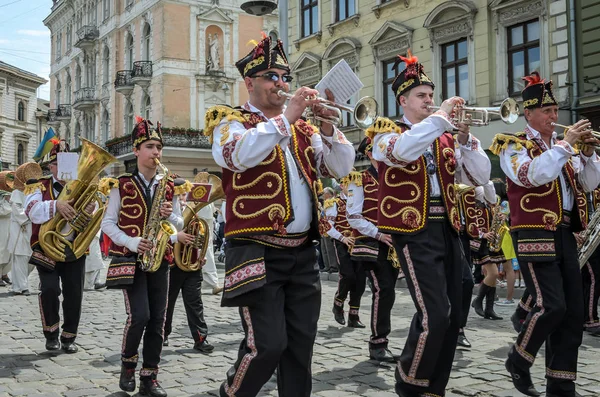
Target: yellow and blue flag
(45,145)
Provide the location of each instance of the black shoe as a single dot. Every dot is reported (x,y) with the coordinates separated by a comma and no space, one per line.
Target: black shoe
(69,347)
(2,283)
(338,315)
(382,354)
(52,344)
(99,285)
(166,341)
(516,322)
(151,387)
(521,379)
(204,346)
(489,304)
(478,301)
(463,341)
(354,322)
(127,379)
(6,280)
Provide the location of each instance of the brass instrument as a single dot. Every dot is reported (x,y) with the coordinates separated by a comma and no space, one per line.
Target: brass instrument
(393,257)
(158,230)
(497,227)
(479,117)
(595,134)
(55,244)
(197,227)
(591,238)
(365,112)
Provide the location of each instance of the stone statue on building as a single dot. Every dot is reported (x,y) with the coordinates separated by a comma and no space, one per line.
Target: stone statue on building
(213,53)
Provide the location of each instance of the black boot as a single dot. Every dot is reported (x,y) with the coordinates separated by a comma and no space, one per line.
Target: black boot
(463,341)
(478,301)
(127,379)
(521,379)
(354,321)
(149,386)
(489,305)
(338,314)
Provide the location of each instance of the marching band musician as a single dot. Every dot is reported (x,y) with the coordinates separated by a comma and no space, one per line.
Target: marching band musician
(370,251)
(418,163)
(271,161)
(591,280)
(546,184)
(190,285)
(131,198)
(478,219)
(351,274)
(40,206)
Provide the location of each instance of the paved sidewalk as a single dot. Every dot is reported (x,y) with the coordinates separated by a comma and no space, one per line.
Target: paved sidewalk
(340,366)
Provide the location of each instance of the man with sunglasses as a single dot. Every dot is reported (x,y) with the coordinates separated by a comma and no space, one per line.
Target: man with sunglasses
(271,161)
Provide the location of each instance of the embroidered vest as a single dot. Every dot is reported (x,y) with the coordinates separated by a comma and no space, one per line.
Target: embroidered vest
(540,208)
(341,221)
(404,191)
(258,199)
(477,216)
(595,198)
(47,194)
(370,186)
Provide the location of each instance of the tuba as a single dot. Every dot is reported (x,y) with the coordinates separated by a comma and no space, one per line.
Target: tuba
(591,238)
(158,230)
(189,257)
(83,190)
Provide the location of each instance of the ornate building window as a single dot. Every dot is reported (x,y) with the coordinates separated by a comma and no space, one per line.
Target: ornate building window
(507,16)
(310,17)
(20,154)
(129,118)
(105,66)
(77,78)
(344,9)
(129,53)
(68,89)
(105,126)
(307,70)
(455,69)
(147,106)
(77,134)
(389,41)
(450,27)
(69,36)
(106,10)
(58,46)
(58,93)
(346,48)
(146,43)
(21,111)
(523,53)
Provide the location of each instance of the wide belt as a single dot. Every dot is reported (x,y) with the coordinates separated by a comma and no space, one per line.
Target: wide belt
(282,241)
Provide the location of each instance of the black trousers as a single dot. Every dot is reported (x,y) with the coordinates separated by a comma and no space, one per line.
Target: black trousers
(432,263)
(525,304)
(383,278)
(69,275)
(280,329)
(190,285)
(590,274)
(352,279)
(467,279)
(146,306)
(556,318)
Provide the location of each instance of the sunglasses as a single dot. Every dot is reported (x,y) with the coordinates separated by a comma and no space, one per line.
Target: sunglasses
(274,77)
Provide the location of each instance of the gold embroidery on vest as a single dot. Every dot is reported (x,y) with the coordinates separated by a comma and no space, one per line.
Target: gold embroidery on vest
(138,232)
(550,217)
(406,212)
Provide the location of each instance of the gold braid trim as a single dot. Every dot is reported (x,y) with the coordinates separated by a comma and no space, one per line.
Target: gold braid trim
(319,187)
(329,203)
(185,188)
(354,177)
(106,184)
(32,187)
(501,142)
(215,115)
(381,126)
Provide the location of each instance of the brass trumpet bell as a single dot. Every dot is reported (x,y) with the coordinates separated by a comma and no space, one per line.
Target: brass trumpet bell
(508,111)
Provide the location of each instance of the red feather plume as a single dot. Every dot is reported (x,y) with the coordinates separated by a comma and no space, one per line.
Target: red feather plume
(138,119)
(409,59)
(532,79)
(54,141)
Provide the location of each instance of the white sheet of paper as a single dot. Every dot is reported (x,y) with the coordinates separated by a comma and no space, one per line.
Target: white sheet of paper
(341,81)
(67,166)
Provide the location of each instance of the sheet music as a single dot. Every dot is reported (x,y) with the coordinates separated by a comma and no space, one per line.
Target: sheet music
(67,166)
(342,82)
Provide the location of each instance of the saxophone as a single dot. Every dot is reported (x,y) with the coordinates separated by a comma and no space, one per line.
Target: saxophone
(591,238)
(157,230)
(497,227)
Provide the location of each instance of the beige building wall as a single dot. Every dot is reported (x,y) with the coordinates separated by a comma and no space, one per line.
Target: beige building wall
(380,31)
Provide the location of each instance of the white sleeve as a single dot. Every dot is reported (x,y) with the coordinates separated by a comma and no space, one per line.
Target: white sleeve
(528,172)
(18,212)
(401,149)
(38,210)
(473,166)
(331,214)
(487,193)
(110,225)
(237,148)
(588,171)
(176,218)
(354,208)
(334,154)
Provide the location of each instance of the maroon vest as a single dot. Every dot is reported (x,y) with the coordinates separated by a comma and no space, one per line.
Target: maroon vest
(370,186)
(341,221)
(477,216)
(258,199)
(540,208)
(404,191)
(596,198)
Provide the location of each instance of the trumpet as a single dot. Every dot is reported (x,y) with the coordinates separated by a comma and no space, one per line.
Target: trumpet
(479,117)
(365,112)
(595,134)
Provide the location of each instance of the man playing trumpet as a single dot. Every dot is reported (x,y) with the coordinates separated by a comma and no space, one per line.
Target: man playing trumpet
(547,180)
(418,163)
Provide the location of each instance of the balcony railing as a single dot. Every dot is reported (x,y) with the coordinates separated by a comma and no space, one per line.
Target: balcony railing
(63,112)
(196,140)
(124,82)
(86,36)
(85,98)
(142,73)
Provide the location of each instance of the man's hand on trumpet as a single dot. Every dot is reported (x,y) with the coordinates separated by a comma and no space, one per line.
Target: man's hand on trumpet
(299,102)
(452,107)
(321,111)
(581,132)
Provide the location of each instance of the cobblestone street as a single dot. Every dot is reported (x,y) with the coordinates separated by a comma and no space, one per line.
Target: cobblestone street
(340,367)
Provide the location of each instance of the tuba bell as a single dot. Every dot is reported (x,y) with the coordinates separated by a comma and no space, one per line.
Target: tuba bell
(188,257)
(83,190)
